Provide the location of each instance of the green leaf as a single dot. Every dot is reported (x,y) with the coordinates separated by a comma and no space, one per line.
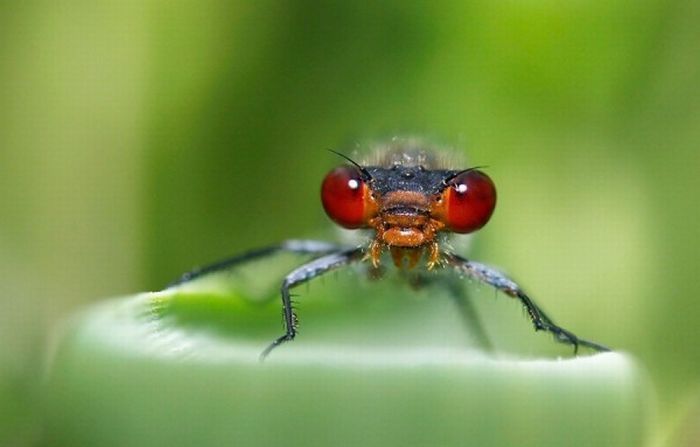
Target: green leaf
(374,364)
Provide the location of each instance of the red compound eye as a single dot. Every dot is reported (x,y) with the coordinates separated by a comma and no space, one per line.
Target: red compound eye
(345,196)
(469,201)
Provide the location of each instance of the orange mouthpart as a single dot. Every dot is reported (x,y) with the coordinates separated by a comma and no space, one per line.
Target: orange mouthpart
(404,225)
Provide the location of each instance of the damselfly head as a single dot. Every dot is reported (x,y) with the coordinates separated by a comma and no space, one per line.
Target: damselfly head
(408,197)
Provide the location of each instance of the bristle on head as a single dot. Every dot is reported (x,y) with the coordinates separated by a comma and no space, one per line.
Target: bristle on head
(410,152)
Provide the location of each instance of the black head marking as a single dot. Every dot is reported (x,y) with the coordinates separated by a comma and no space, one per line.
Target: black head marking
(402,178)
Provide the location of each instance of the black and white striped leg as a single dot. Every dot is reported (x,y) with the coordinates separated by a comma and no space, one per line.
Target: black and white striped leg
(302,274)
(498,280)
(303,247)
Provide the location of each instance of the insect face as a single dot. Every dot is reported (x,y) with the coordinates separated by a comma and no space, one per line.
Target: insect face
(407,199)
(408,206)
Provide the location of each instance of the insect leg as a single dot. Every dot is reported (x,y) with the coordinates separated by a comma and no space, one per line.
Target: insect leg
(468,313)
(302,274)
(291,246)
(539,319)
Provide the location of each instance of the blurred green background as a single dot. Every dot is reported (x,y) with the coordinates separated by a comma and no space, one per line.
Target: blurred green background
(138,139)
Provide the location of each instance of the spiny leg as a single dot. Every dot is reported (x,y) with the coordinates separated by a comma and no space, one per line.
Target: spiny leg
(300,275)
(291,246)
(539,319)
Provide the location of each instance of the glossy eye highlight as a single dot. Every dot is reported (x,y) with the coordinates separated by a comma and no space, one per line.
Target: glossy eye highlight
(470,199)
(344,195)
